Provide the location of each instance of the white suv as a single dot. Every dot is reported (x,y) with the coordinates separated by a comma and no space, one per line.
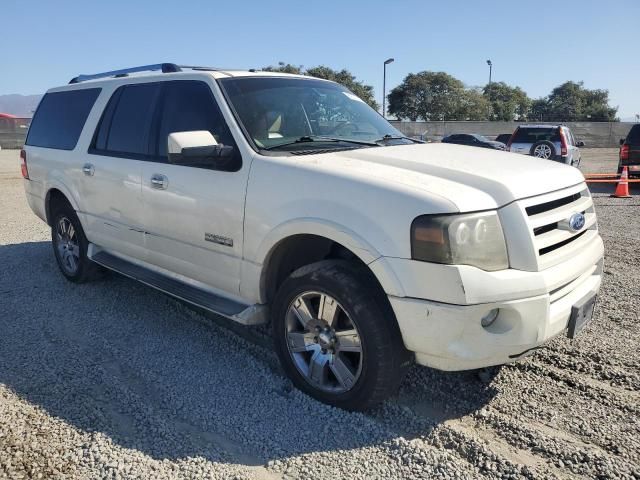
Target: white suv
(271,197)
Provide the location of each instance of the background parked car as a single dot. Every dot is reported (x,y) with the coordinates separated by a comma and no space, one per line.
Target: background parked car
(553,142)
(630,151)
(503,138)
(473,140)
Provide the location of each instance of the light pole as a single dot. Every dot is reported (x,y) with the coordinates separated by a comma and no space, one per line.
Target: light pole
(384,86)
(489,87)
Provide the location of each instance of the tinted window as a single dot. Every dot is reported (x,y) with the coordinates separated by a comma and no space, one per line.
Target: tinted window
(128,131)
(533,135)
(188,106)
(634,135)
(60,118)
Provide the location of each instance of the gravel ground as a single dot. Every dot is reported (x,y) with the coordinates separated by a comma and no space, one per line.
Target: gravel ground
(114,380)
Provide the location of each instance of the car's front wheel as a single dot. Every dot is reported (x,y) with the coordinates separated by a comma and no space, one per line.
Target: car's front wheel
(336,337)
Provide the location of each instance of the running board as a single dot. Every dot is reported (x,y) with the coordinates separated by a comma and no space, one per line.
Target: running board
(239,312)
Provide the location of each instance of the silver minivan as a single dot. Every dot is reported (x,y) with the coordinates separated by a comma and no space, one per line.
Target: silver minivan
(553,142)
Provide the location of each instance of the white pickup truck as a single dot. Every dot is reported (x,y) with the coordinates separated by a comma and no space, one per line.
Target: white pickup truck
(267,197)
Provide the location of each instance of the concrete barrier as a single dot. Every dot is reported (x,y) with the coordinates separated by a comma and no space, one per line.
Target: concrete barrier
(593,134)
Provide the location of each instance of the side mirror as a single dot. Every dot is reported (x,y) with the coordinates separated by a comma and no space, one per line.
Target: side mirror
(622,141)
(579,143)
(197,148)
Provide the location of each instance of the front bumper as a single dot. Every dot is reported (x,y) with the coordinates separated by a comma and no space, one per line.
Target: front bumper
(451,337)
(445,331)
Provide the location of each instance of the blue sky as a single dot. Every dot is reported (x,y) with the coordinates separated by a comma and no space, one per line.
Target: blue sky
(534,44)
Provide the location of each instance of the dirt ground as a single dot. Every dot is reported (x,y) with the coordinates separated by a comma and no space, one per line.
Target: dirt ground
(112,379)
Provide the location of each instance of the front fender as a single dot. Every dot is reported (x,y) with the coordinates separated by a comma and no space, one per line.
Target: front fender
(320,227)
(253,270)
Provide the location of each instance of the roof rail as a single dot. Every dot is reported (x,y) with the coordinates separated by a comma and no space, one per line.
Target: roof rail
(163,67)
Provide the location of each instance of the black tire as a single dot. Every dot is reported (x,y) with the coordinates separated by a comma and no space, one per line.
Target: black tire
(85,270)
(384,359)
(545,145)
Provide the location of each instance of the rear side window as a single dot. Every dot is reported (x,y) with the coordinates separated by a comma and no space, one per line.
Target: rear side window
(533,135)
(634,135)
(60,117)
(124,128)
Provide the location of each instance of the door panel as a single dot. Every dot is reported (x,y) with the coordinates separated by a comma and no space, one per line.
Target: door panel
(193,216)
(194,226)
(113,204)
(111,185)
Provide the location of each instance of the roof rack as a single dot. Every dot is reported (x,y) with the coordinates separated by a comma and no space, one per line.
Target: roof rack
(163,67)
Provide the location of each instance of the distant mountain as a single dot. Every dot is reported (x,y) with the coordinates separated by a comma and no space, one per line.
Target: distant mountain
(19,105)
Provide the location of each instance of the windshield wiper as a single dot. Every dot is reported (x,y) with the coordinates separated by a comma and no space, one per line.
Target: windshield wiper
(388,137)
(321,138)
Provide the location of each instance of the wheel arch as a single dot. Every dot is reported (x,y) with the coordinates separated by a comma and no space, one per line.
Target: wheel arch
(56,196)
(300,249)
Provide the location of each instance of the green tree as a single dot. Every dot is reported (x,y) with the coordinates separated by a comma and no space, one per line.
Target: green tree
(507,103)
(572,102)
(343,77)
(284,68)
(436,96)
(539,109)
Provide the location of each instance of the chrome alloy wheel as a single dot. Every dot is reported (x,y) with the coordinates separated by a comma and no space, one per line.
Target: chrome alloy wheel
(323,342)
(67,246)
(542,151)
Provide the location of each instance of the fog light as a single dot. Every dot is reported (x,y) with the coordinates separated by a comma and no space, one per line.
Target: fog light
(490,317)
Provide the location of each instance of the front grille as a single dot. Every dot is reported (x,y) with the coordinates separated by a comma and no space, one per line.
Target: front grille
(548,218)
(551,248)
(546,206)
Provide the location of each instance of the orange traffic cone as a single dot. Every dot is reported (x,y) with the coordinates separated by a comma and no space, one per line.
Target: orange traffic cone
(622,189)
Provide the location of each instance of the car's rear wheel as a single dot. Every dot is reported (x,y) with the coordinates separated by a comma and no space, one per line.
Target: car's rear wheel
(70,246)
(543,149)
(336,338)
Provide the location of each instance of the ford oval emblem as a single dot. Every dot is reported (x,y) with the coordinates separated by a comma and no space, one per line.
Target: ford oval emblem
(577,221)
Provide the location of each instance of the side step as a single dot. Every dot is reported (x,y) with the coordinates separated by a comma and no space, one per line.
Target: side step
(245,314)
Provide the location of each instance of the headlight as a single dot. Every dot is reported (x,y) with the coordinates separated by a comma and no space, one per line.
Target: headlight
(466,239)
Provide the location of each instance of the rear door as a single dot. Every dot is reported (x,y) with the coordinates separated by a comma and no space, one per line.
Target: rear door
(111,186)
(194,219)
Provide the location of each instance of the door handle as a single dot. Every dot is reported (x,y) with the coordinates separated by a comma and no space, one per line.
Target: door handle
(88,169)
(159,181)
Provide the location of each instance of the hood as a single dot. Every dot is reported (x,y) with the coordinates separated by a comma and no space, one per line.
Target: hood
(471,178)
(498,145)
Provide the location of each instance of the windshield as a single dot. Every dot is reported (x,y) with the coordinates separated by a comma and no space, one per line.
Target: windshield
(281,113)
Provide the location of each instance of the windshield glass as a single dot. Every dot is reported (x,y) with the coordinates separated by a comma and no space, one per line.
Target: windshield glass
(277,112)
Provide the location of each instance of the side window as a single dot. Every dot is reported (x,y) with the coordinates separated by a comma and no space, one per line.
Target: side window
(60,118)
(129,129)
(189,105)
(568,136)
